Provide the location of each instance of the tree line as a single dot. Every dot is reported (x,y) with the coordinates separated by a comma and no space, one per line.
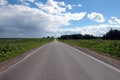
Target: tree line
(110,35)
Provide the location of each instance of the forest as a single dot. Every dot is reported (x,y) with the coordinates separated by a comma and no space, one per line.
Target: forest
(110,35)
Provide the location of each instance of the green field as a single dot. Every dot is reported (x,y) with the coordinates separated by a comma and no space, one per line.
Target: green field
(12,47)
(109,47)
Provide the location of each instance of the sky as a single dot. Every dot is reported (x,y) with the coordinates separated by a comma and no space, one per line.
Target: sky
(41,18)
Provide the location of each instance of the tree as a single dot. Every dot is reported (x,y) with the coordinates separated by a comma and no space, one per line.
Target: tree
(77,36)
(112,35)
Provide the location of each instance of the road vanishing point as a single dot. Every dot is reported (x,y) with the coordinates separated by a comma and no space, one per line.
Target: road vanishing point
(59,61)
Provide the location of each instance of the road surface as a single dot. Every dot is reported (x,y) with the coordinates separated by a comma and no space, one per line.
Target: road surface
(59,61)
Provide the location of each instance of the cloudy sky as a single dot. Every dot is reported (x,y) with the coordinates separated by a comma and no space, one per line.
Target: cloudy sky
(38,18)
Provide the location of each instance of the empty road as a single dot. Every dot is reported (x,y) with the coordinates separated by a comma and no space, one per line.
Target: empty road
(59,61)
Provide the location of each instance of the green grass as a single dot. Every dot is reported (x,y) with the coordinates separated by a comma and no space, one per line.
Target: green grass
(109,47)
(12,47)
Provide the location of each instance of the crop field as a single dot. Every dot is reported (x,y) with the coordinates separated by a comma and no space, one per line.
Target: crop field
(109,47)
(12,47)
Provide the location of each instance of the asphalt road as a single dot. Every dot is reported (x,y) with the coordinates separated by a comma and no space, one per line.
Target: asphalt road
(59,61)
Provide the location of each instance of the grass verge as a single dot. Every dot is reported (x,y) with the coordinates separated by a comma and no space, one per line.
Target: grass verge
(12,47)
(109,47)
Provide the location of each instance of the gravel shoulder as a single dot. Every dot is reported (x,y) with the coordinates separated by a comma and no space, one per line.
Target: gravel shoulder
(7,63)
(105,58)
(101,56)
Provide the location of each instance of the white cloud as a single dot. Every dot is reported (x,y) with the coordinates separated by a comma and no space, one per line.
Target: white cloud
(96,30)
(32,1)
(96,17)
(61,4)
(75,16)
(79,5)
(51,7)
(3,2)
(20,20)
(26,2)
(69,6)
(24,21)
(114,20)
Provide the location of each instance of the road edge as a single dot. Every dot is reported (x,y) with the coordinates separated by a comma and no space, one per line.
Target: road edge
(104,58)
(7,64)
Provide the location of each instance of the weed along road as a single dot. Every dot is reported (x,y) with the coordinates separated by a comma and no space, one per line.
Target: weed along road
(59,61)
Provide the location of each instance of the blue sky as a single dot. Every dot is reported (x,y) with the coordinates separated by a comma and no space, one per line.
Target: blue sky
(39,18)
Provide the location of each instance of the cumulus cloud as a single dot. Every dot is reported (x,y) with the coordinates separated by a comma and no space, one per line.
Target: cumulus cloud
(27,1)
(46,20)
(114,20)
(61,4)
(96,17)
(96,30)
(24,21)
(3,2)
(21,19)
(79,5)
(69,6)
(51,7)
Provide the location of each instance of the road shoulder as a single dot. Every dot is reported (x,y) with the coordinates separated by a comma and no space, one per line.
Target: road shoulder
(105,58)
(7,63)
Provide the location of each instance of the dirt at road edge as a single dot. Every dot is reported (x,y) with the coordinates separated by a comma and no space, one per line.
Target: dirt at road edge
(105,58)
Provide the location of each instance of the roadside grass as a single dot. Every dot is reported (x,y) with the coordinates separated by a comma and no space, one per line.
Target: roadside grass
(12,47)
(109,47)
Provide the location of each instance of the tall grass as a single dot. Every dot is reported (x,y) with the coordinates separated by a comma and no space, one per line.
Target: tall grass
(110,47)
(12,47)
